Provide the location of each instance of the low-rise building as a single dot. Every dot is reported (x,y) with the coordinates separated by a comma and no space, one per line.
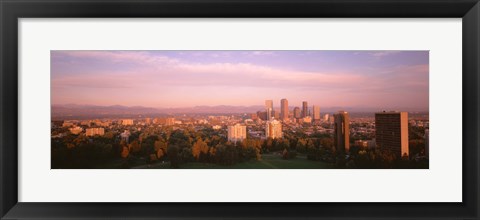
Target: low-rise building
(127,122)
(95,131)
(76,130)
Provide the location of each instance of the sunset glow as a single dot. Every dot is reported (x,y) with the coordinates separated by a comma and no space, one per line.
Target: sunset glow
(166,79)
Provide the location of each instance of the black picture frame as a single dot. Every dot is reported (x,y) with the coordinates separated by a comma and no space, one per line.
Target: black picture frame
(12,10)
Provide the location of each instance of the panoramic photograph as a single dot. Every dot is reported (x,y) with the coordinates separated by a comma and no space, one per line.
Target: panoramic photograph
(239,109)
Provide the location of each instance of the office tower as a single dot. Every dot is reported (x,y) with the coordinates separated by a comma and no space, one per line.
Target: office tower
(342,132)
(276,114)
(427,137)
(94,131)
(297,113)
(325,117)
(391,132)
(262,115)
(269,108)
(284,109)
(304,109)
(316,113)
(237,132)
(273,129)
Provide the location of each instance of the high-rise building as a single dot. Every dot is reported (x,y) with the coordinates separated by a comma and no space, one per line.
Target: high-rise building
(269,108)
(237,132)
(325,117)
(342,131)
(262,115)
(391,132)
(297,113)
(95,131)
(273,129)
(276,114)
(316,113)
(284,109)
(304,109)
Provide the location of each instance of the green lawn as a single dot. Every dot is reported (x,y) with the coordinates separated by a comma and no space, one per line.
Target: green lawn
(269,161)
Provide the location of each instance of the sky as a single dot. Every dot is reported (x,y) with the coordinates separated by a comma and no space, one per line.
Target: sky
(169,79)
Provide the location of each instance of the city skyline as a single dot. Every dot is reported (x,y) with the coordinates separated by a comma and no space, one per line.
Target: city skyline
(179,79)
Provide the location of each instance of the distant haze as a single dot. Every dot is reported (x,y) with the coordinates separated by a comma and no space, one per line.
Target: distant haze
(393,80)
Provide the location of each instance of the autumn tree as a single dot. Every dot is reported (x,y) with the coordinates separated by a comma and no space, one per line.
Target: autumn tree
(200,150)
(160,147)
(134,146)
(302,145)
(125,152)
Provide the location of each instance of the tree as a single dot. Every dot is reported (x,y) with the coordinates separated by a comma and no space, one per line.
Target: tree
(134,146)
(212,151)
(173,156)
(186,155)
(268,144)
(283,144)
(301,145)
(200,149)
(326,142)
(160,153)
(160,144)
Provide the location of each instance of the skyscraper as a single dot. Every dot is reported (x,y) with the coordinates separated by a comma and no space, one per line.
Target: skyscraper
(269,108)
(316,113)
(284,109)
(276,114)
(273,129)
(297,113)
(237,132)
(325,117)
(391,132)
(342,131)
(262,115)
(304,109)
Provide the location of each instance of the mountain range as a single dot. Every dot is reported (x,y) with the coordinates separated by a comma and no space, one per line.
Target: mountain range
(115,110)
